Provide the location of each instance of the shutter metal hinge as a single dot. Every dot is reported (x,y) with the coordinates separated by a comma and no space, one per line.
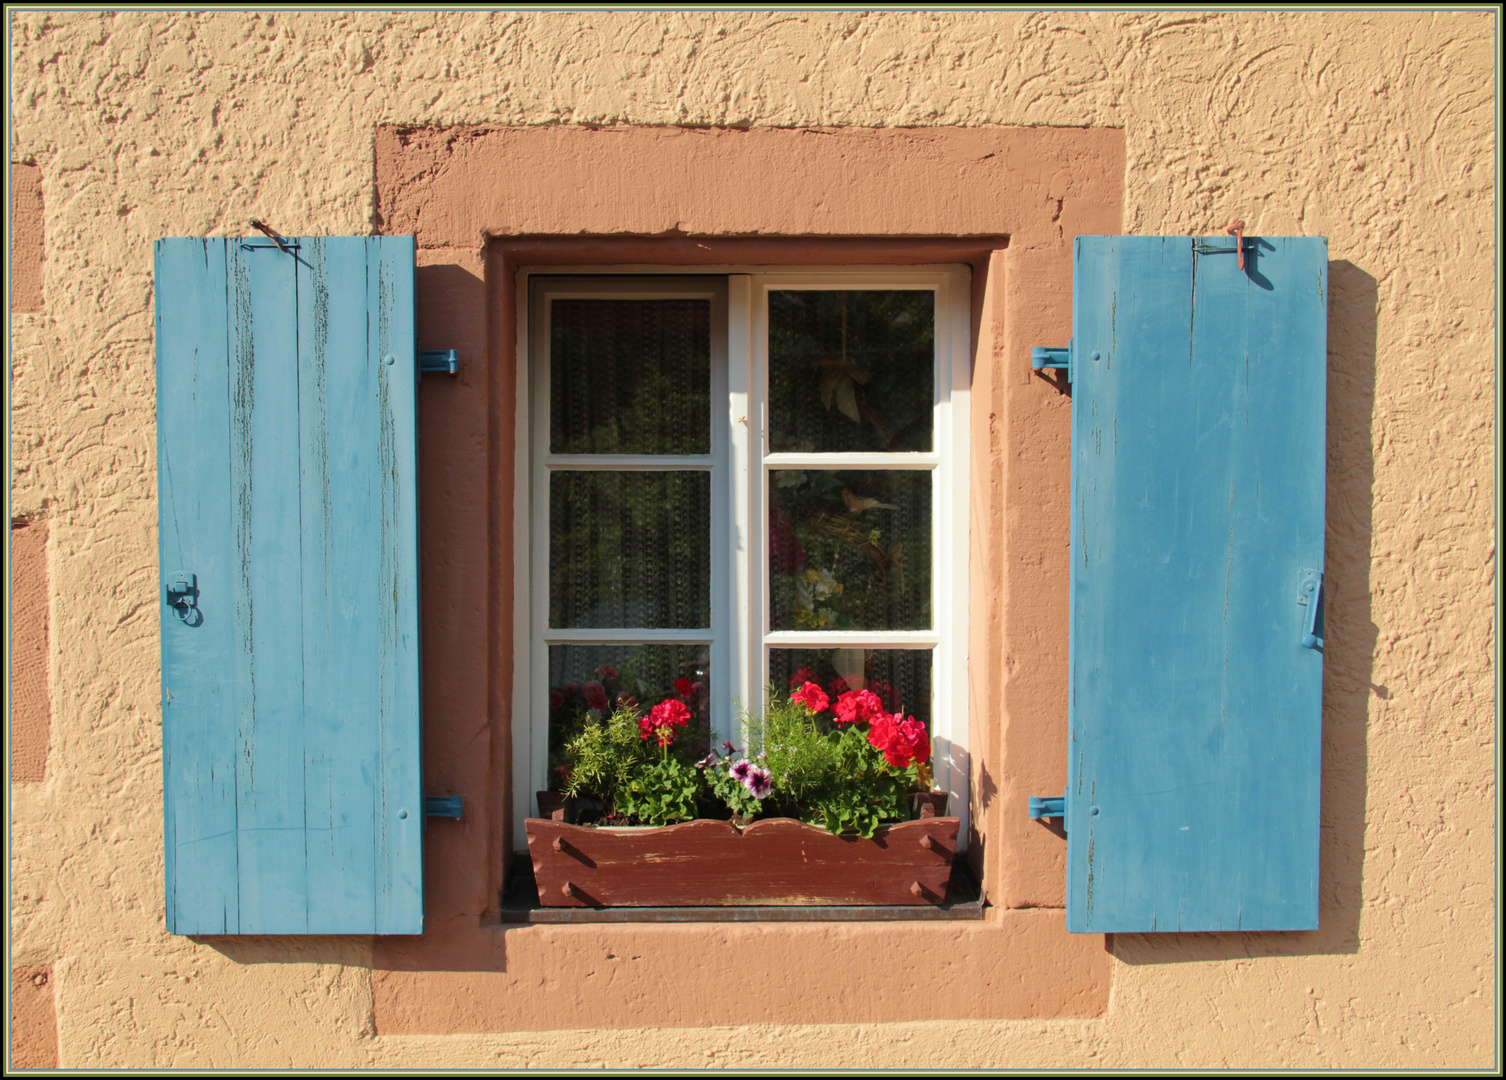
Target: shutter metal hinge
(1053,356)
(1048,806)
(441,361)
(448,806)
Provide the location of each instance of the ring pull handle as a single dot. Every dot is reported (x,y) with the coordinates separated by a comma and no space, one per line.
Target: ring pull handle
(183,595)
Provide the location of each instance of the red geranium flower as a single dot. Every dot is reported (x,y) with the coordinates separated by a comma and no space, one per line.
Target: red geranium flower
(901,741)
(802,674)
(669,712)
(662,720)
(556,699)
(811,696)
(606,671)
(595,695)
(917,738)
(839,686)
(684,687)
(858,705)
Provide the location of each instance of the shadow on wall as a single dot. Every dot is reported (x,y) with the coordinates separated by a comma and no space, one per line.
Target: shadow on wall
(1348,654)
(343,950)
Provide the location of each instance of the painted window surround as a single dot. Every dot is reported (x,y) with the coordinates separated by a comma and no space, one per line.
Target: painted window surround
(740,636)
(1006,202)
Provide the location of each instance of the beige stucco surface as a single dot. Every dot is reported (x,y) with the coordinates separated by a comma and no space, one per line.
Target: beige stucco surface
(1375,130)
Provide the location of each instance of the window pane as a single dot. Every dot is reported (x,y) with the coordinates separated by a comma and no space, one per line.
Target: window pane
(630,376)
(849,550)
(585,677)
(900,677)
(851,370)
(630,549)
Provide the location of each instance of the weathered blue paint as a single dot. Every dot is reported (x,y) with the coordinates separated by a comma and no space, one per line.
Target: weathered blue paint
(1198,452)
(399,804)
(194,530)
(288,471)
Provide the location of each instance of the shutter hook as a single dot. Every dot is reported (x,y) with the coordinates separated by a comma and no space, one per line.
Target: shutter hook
(281,241)
(1237,231)
(1311,597)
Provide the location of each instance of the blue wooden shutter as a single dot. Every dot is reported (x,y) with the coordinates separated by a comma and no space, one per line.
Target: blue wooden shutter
(287,481)
(1198,405)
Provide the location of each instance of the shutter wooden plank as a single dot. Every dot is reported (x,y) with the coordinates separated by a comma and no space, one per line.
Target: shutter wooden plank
(1198,473)
(1279,456)
(391,329)
(194,536)
(269,590)
(288,486)
(341,581)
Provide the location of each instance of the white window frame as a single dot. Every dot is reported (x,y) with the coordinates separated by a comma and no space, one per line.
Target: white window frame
(739,463)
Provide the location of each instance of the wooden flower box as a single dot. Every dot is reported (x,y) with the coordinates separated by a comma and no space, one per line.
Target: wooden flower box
(774,861)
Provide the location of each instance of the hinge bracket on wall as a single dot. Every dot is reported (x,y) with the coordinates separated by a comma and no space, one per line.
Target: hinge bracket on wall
(442,806)
(1051,356)
(441,361)
(1049,806)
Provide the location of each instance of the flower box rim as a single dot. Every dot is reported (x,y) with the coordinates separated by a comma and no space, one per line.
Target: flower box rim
(742,829)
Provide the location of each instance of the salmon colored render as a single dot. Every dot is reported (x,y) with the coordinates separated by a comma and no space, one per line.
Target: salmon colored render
(732,142)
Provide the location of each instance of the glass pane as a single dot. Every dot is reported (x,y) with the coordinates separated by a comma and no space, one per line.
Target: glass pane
(900,677)
(630,376)
(849,550)
(851,370)
(630,549)
(599,677)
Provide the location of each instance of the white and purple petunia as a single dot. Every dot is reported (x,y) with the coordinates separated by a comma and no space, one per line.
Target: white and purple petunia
(759,782)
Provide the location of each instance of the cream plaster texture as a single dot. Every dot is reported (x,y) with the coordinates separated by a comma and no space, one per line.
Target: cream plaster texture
(1373,129)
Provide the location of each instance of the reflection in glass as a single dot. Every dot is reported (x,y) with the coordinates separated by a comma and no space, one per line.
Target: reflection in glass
(630,549)
(900,677)
(587,678)
(851,371)
(849,550)
(630,376)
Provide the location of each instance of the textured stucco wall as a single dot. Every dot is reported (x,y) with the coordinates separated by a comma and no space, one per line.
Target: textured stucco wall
(1373,129)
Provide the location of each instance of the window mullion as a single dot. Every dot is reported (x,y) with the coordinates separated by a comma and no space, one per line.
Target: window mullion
(743,406)
(535,368)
